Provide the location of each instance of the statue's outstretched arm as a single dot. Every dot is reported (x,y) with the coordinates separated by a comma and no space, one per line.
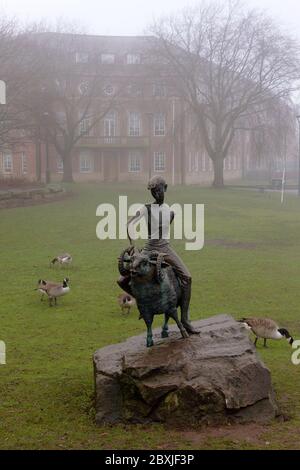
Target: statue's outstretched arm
(132,220)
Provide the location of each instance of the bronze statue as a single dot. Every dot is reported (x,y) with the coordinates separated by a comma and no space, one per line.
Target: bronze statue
(157,245)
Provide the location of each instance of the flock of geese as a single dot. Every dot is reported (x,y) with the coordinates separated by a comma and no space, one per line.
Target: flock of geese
(51,289)
(263,328)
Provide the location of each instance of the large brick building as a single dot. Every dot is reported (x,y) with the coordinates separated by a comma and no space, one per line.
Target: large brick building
(148,129)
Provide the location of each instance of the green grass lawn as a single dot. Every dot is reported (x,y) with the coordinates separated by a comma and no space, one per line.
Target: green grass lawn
(250,265)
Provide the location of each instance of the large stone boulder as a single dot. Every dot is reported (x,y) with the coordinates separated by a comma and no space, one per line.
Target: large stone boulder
(212,377)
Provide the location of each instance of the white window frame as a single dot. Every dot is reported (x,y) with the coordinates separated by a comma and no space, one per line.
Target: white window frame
(7,157)
(226,164)
(86,163)
(159,124)
(196,162)
(235,162)
(107,58)
(84,126)
(133,59)
(109,124)
(159,89)
(159,161)
(134,162)
(81,57)
(59,165)
(134,124)
(203,162)
(24,163)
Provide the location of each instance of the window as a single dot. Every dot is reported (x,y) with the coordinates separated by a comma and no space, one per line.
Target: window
(134,124)
(228,163)
(24,164)
(7,163)
(132,59)
(159,161)
(193,163)
(81,58)
(84,126)
(203,162)
(86,162)
(159,89)
(110,124)
(107,58)
(109,90)
(235,162)
(196,162)
(134,165)
(159,124)
(59,165)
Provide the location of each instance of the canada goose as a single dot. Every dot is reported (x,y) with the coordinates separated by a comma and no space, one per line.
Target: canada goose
(63,259)
(267,329)
(126,302)
(41,287)
(54,289)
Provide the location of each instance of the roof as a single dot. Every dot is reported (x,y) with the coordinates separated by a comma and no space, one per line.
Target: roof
(113,44)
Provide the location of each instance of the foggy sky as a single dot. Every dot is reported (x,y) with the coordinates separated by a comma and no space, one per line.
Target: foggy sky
(130,17)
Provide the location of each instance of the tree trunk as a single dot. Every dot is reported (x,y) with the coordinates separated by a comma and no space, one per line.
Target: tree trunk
(68,171)
(218,173)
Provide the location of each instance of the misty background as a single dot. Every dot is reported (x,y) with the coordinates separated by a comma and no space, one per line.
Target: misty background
(132,17)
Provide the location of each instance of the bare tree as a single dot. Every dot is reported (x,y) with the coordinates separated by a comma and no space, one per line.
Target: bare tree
(231,64)
(17,67)
(67,102)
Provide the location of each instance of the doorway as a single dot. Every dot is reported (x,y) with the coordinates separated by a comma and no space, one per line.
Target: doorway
(111,166)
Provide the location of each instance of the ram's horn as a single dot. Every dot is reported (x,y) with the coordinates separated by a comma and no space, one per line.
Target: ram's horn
(122,270)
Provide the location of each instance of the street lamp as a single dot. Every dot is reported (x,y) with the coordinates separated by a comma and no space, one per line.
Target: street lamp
(298,119)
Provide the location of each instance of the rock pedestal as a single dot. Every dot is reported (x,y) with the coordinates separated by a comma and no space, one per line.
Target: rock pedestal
(213,377)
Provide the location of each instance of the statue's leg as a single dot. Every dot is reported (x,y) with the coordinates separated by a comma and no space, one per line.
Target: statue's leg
(123,282)
(165,328)
(181,327)
(186,283)
(148,322)
(185,279)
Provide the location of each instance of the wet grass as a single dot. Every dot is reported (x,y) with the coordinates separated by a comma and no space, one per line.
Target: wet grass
(250,266)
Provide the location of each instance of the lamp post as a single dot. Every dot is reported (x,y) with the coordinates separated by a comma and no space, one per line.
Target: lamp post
(298,119)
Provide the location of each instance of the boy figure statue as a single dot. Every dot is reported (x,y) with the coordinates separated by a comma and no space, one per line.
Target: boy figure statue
(160,217)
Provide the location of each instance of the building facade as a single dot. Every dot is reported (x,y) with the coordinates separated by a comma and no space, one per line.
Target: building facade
(147,129)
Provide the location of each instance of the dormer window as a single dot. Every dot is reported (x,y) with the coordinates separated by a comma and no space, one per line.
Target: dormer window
(81,57)
(107,58)
(133,59)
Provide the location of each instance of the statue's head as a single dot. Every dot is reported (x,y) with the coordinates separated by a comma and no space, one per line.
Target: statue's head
(158,187)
